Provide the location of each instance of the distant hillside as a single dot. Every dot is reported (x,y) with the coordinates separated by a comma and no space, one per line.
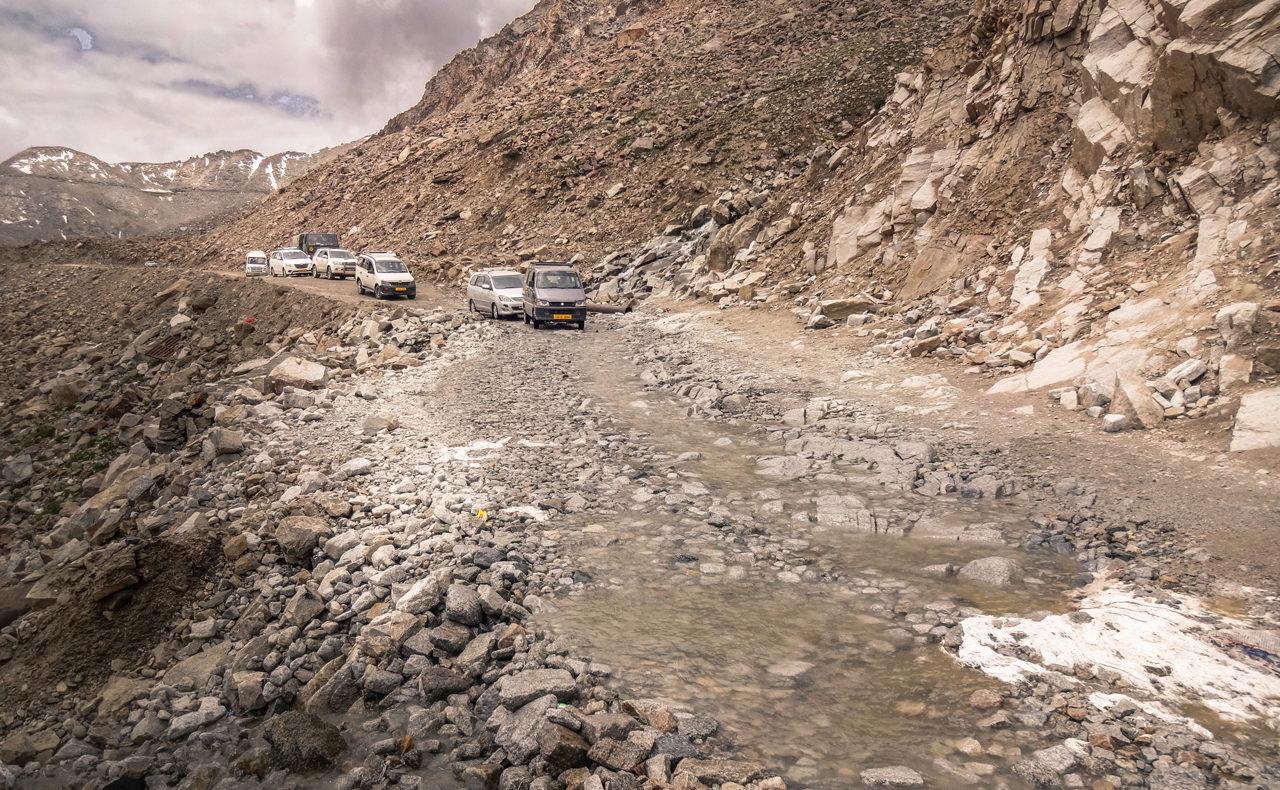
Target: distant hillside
(50,193)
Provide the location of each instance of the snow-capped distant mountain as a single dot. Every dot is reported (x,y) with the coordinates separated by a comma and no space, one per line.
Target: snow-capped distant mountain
(51,193)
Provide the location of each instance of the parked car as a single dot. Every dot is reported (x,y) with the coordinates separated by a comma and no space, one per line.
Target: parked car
(255,264)
(310,242)
(287,262)
(497,293)
(383,274)
(333,262)
(553,294)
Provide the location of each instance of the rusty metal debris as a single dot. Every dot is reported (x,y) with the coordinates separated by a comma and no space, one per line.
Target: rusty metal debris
(165,349)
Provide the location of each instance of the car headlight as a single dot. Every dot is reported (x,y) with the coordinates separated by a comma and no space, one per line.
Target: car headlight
(580,303)
(543,303)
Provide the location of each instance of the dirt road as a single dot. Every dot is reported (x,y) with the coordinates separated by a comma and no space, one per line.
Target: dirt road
(462,552)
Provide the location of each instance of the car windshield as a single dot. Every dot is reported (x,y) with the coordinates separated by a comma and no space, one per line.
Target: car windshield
(390,267)
(294,255)
(559,280)
(336,253)
(255,261)
(503,281)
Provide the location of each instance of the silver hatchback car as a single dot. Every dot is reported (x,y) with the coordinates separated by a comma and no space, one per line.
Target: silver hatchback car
(495,293)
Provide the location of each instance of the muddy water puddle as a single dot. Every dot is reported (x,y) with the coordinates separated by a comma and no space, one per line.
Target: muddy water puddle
(821,687)
(812,640)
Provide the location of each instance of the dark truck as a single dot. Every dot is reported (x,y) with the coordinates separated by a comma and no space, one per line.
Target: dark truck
(310,242)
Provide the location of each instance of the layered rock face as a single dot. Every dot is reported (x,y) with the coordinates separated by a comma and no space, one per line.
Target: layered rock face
(1080,188)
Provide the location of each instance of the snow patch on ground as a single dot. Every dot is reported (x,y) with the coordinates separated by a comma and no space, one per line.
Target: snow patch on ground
(1162,651)
(469,452)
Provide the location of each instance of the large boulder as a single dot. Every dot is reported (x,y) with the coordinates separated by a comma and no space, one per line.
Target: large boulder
(303,741)
(299,535)
(992,571)
(19,469)
(1236,322)
(840,309)
(1257,421)
(524,687)
(1132,400)
(300,373)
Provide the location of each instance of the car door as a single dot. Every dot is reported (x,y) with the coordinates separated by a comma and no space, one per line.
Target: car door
(271,263)
(486,294)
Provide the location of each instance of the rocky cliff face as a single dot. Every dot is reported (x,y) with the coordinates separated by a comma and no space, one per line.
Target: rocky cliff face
(1053,193)
(57,193)
(1084,191)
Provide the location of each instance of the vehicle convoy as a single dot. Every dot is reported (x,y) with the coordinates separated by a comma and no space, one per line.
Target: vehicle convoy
(288,261)
(255,264)
(333,262)
(310,242)
(553,293)
(383,274)
(496,293)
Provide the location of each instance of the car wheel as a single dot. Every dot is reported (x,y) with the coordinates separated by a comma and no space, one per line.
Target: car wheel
(582,326)
(493,311)
(359,287)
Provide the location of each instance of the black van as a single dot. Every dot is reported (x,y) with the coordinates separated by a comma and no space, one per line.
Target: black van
(310,242)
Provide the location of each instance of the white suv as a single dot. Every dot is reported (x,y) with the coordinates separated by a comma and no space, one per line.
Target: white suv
(333,262)
(286,262)
(495,292)
(383,274)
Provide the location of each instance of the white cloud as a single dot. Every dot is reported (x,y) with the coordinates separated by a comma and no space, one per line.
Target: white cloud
(160,80)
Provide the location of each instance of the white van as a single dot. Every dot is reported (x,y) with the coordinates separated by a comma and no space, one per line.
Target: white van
(255,264)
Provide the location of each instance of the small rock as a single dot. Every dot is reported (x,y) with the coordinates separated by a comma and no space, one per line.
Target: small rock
(892,776)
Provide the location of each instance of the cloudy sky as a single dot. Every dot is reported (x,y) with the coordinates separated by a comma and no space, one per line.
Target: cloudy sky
(161,80)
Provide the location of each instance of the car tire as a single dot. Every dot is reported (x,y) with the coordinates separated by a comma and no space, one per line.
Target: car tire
(471,305)
(359,287)
(493,311)
(582,326)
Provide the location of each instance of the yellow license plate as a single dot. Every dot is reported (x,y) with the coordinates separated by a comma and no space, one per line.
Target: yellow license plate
(402,289)
(561,317)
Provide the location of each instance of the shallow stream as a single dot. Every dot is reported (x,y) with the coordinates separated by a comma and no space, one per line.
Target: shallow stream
(722,595)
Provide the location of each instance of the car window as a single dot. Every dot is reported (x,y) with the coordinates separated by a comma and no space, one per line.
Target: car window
(506,281)
(559,280)
(485,284)
(391,267)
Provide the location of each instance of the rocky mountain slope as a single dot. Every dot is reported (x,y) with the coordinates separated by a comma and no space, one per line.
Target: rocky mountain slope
(1060,192)
(582,129)
(52,193)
